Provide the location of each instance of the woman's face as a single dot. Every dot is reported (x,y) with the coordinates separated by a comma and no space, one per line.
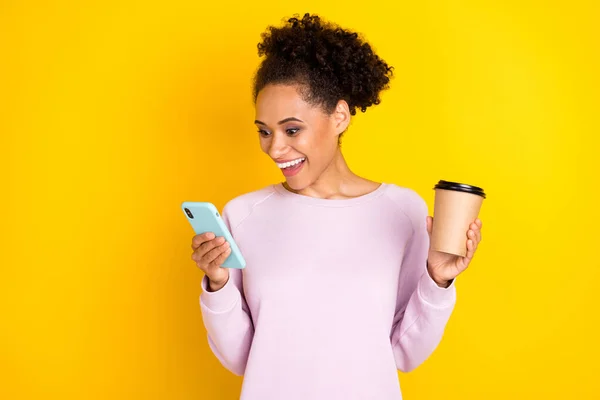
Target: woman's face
(299,137)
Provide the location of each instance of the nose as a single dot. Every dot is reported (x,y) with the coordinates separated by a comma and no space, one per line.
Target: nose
(278,146)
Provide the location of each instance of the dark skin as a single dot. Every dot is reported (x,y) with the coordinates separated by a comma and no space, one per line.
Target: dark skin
(292,129)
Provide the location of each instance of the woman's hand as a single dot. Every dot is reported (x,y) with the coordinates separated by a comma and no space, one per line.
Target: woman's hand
(209,253)
(444,267)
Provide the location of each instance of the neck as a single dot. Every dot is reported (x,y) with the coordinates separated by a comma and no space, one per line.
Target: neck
(336,182)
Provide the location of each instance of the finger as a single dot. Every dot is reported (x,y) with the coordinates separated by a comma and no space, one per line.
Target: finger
(477,236)
(211,244)
(473,236)
(476,226)
(201,238)
(206,247)
(429,222)
(479,223)
(217,262)
(214,254)
(470,251)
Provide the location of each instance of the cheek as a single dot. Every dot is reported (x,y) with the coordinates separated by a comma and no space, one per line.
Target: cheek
(314,143)
(305,145)
(321,148)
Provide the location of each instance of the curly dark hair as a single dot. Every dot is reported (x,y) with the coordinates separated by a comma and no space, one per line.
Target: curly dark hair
(327,62)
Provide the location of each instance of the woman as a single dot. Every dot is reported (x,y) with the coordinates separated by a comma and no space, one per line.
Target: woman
(340,288)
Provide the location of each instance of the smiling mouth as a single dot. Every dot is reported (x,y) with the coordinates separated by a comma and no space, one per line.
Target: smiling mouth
(291,164)
(292,168)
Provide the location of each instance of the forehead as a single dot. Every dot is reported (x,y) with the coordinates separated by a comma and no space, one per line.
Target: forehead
(275,102)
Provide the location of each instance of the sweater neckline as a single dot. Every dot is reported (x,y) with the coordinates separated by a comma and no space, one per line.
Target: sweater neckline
(280,189)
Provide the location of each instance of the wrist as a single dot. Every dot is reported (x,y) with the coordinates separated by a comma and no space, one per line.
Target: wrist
(441,282)
(214,286)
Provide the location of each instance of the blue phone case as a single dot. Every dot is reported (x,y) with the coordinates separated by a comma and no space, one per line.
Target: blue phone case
(206,218)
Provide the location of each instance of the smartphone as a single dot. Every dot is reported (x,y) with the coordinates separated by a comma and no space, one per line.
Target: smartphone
(204,217)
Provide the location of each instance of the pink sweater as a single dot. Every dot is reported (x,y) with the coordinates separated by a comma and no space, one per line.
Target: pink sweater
(335,296)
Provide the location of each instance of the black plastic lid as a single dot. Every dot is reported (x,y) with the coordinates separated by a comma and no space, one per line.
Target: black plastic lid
(459,187)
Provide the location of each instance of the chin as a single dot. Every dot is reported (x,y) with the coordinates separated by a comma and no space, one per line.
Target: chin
(297,184)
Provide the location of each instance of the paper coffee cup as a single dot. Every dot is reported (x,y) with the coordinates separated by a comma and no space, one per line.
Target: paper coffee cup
(456,206)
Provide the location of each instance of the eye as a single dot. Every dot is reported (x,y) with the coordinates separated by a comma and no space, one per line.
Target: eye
(263,133)
(292,131)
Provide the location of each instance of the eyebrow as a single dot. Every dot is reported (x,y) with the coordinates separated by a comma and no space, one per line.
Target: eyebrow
(283,121)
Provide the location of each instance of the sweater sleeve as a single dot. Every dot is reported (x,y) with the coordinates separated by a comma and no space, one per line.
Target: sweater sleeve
(423,308)
(227,319)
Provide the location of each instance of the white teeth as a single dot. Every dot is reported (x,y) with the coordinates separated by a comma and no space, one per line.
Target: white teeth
(290,163)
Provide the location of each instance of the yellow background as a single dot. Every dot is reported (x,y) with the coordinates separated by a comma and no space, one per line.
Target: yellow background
(114,112)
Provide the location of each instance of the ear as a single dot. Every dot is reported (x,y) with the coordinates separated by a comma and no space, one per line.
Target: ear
(341,117)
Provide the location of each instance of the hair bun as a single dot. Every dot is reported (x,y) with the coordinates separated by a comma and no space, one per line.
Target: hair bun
(334,62)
